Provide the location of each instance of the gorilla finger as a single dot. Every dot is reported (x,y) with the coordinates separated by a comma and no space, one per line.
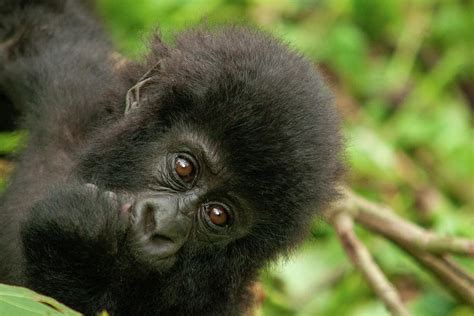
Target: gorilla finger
(91,187)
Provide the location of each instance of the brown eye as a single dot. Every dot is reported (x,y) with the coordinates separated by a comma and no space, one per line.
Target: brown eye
(185,169)
(218,215)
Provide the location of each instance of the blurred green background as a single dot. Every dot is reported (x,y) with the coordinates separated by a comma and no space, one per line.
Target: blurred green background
(403,75)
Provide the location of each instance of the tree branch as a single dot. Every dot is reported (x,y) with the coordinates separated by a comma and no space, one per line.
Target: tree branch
(384,221)
(429,249)
(362,259)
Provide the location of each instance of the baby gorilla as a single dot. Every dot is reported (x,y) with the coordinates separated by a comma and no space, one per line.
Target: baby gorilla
(163,186)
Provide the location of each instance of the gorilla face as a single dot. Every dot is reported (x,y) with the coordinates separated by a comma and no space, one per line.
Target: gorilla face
(185,201)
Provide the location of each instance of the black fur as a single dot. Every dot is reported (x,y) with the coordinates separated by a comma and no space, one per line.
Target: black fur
(257,105)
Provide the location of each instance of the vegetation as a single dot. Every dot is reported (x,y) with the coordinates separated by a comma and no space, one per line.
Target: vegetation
(403,75)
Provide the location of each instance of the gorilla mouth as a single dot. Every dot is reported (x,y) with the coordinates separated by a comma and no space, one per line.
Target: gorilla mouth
(160,239)
(157,253)
(154,245)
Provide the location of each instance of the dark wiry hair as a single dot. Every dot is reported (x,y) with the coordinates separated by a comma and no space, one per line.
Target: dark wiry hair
(262,106)
(268,110)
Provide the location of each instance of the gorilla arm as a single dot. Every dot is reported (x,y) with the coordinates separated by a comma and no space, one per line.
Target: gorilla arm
(55,68)
(71,243)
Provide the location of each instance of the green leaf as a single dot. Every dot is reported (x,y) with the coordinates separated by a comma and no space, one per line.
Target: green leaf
(11,141)
(20,301)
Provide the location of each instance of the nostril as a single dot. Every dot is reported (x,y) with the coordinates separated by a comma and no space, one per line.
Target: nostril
(149,218)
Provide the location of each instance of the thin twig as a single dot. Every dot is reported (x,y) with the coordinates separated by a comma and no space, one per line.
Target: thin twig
(456,280)
(428,248)
(383,220)
(362,259)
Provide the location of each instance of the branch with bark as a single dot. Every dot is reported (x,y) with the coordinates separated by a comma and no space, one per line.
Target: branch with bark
(429,249)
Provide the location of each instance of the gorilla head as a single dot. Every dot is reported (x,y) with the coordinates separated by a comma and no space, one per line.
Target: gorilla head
(229,141)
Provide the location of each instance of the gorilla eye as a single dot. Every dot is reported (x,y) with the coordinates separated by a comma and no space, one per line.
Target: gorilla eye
(218,215)
(185,168)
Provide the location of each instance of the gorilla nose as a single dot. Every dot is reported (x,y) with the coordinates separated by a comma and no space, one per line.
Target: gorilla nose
(159,227)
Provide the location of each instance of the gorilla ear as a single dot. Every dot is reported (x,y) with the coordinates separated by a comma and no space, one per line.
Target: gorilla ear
(133,99)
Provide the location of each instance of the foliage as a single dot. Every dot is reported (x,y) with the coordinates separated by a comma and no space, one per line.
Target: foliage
(402,72)
(23,302)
